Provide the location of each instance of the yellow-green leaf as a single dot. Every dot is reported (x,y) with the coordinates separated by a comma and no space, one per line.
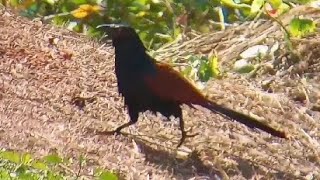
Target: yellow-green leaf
(301,27)
(107,176)
(26,158)
(40,166)
(53,159)
(232,4)
(275,3)
(141,14)
(11,156)
(256,6)
(214,65)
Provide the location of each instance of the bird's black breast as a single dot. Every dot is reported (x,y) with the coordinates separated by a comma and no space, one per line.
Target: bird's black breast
(130,69)
(132,65)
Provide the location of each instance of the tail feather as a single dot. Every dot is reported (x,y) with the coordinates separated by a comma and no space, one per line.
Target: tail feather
(244,119)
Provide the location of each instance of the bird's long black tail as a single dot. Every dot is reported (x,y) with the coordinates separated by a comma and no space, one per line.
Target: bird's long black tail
(244,119)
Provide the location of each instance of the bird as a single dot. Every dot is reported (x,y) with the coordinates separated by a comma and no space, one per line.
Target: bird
(147,84)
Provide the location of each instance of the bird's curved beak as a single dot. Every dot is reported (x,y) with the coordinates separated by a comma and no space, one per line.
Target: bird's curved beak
(112,30)
(112,26)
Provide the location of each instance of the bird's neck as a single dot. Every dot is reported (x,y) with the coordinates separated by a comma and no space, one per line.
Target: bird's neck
(133,57)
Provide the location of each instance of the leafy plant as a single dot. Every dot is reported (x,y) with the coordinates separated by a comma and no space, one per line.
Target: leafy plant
(15,165)
(159,22)
(202,68)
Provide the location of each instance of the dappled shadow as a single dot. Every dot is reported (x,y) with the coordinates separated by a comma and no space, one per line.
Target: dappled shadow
(249,169)
(194,166)
(188,168)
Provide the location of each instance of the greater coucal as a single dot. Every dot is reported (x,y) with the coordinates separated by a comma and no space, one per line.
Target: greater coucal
(149,85)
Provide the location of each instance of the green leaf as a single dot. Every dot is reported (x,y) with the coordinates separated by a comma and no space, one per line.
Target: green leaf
(301,27)
(142,2)
(204,71)
(214,66)
(78,2)
(53,176)
(275,3)
(53,159)
(4,174)
(26,176)
(39,165)
(21,169)
(232,4)
(105,175)
(187,71)
(11,156)
(26,158)
(256,6)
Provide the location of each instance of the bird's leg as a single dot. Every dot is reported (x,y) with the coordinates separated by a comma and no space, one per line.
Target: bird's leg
(184,134)
(133,114)
(117,131)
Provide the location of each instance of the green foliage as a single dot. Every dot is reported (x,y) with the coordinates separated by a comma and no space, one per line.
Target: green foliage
(202,68)
(23,166)
(256,6)
(104,175)
(276,3)
(301,27)
(52,159)
(158,22)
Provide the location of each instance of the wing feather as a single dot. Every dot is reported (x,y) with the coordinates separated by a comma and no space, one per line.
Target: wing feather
(169,84)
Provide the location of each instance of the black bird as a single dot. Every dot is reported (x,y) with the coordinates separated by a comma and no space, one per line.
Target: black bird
(150,85)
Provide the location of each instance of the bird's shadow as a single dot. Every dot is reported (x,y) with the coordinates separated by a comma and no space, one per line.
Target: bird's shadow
(193,165)
(186,168)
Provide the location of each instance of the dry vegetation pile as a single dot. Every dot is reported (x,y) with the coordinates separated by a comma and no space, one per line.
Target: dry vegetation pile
(44,69)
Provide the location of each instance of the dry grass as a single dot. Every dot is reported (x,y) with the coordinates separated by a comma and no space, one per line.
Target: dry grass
(43,68)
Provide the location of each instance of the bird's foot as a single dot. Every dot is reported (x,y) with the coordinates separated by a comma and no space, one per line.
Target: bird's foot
(184,136)
(117,131)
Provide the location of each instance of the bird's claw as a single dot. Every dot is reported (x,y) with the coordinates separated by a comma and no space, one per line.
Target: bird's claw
(117,132)
(184,136)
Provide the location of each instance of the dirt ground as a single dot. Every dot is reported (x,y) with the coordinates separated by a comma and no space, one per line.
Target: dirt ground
(44,68)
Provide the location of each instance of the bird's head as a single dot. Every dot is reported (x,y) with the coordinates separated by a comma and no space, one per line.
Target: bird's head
(119,32)
(126,41)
